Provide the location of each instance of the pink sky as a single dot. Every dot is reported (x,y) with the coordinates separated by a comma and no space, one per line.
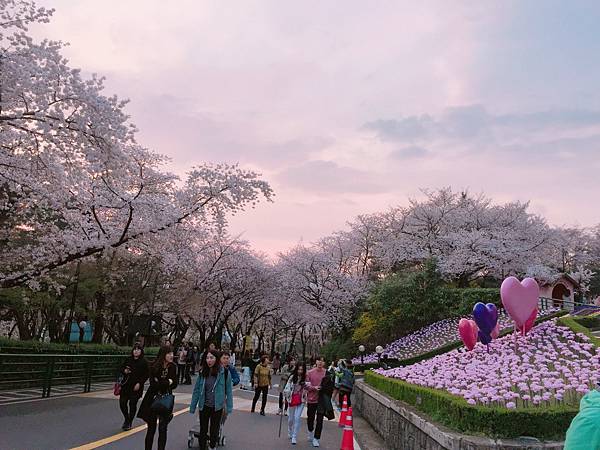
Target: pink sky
(349,107)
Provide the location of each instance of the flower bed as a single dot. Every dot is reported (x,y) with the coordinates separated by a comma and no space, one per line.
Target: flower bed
(432,337)
(552,366)
(456,413)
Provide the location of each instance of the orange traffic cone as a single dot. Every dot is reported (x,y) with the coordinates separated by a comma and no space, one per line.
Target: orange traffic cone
(342,421)
(348,436)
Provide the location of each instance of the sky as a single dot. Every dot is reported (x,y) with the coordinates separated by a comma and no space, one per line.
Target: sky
(350,107)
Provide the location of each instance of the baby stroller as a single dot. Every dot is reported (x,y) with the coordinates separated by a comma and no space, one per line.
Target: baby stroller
(195,433)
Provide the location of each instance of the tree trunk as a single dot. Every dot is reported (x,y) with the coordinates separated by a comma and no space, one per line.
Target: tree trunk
(24,332)
(99,321)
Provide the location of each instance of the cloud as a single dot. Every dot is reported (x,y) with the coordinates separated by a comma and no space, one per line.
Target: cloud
(412,151)
(328,177)
(545,136)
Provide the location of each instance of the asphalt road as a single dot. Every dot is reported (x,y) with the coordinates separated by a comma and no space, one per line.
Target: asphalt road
(93,420)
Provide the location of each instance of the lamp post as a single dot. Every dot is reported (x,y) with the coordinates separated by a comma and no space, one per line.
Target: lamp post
(361,349)
(379,351)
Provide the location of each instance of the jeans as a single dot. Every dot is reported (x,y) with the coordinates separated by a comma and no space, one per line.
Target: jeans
(210,421)
(312,412)
(181,372)
(128,407)
(294,419)
(163,422)
(188,374)
(347,395)
(257,392)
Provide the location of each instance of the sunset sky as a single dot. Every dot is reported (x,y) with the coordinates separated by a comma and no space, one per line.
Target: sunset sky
(348,107)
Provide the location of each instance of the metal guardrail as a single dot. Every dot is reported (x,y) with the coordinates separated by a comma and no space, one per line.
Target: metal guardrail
(43,371)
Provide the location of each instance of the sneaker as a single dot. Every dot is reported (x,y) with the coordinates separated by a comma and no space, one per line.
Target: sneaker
(316,443)
(311,436)
(294,441)
(279,412)
(262,413)
(124,426)
(285,413)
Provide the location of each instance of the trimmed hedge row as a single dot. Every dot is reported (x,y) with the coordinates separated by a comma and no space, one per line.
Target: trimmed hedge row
(446,348)
(577,327)
(590,322)
(454,412)
(14,346)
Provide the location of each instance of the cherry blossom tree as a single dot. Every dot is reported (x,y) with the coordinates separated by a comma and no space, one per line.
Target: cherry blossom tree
(470,236)
(73,180)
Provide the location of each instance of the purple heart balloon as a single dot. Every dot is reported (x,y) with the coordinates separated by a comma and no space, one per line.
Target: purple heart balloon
(494,314)
(486,316)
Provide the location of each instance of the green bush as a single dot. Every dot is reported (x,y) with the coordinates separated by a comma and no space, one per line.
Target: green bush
(14,346)
(461,301)
(456,413)
(338,348)
(577,327)
(590,322)
(404,302)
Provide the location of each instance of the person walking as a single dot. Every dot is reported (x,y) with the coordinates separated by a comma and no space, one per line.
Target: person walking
(135,372)
(262,383)
(295,393)
(254,362)
(195,359)
(163,381)
(227,364)
(276,365)
(286,372)
(314,377)
(345,384)
(181,362)
(213,395)
(189,363)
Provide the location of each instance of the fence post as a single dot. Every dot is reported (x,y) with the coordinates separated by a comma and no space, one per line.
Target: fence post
(48,378)
(88,375)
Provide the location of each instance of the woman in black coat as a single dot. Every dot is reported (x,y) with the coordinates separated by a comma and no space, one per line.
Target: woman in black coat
(163,380)
(135,373)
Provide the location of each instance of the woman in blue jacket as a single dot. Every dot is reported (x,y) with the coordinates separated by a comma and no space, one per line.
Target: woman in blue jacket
(212,394)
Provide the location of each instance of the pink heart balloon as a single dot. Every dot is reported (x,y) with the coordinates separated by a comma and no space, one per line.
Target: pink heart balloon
(468,332)
(519,298)
(528,325)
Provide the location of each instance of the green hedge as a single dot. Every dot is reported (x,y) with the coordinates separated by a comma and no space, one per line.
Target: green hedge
(14,346)
(577,327)
(590,322)
(461,301)
(454,412)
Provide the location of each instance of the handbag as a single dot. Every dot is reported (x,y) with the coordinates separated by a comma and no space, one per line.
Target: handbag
(118,385)
(163,404)
(296,399)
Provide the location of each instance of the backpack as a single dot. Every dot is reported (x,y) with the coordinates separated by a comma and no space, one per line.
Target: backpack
(347,381)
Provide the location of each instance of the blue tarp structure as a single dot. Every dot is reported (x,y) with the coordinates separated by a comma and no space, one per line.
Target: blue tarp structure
(87,334)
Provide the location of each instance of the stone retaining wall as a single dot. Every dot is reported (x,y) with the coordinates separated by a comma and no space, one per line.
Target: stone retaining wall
(404,428)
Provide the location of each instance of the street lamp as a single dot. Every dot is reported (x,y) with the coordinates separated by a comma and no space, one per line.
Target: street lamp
(379,351)
(361,349)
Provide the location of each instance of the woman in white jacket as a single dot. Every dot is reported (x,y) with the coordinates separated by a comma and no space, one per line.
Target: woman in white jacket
(295,393)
